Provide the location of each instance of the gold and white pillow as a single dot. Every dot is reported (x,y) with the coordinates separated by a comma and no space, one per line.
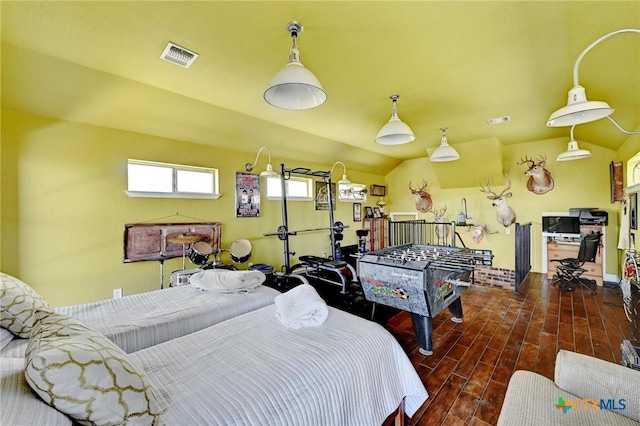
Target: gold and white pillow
(85,375)
(19,303)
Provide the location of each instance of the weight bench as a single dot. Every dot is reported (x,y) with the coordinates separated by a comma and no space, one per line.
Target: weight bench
(323,269)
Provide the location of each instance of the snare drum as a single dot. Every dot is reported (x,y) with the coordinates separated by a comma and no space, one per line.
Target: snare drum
(240,251)
(200,253)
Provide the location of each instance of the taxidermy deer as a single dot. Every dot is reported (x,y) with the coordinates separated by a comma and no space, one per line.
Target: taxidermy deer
(479,231)
(423,198)
(506,215)
(442,229)
(540,180)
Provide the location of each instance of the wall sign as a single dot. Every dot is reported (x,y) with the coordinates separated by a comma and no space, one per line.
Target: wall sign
(247,195)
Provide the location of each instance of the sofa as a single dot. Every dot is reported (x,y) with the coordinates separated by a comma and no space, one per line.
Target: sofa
(585,391)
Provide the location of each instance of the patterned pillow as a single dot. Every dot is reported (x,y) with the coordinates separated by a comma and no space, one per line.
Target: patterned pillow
(86,376)
(19,302)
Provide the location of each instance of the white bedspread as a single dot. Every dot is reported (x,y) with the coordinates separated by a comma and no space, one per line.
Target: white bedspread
(141,320)
(252,370)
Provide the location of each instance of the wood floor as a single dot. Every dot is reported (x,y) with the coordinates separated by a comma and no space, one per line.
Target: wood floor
(468,373)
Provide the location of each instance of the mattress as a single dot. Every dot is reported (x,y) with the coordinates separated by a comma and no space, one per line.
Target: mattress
(141,320)
(251,370)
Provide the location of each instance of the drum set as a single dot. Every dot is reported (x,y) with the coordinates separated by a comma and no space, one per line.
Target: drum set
(200,252)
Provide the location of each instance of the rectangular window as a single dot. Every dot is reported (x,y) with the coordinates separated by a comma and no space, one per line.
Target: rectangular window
(297,188)
(163,180)
(356,193)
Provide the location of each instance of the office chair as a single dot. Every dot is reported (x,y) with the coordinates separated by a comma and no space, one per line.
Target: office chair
(568,274)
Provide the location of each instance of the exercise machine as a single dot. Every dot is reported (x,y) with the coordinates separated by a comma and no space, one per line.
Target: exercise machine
(327,269)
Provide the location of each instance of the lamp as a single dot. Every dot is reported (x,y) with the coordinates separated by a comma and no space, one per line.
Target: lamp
(344,180)
(579,110)
(294,86)
(395,132)
(444,152)
(573,152)
(269,171)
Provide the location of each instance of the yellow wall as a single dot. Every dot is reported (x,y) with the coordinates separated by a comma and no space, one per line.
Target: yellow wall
(583,183)
(64,207)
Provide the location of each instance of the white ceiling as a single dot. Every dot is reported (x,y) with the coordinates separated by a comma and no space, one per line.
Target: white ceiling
(454,64)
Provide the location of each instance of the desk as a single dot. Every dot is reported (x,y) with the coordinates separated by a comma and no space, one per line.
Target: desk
(562,246)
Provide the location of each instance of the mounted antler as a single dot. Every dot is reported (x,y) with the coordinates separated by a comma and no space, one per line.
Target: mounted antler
(540,180)
(423,198)
(506,215)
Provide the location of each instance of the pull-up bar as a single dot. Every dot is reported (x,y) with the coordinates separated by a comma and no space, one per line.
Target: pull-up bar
(282,231)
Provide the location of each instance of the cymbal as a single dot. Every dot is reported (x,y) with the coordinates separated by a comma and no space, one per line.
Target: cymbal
(185,238)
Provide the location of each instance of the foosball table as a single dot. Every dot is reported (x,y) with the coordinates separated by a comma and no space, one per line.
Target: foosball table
(421,279)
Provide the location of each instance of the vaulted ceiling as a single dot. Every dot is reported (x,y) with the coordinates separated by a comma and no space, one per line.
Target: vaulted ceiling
(454,64)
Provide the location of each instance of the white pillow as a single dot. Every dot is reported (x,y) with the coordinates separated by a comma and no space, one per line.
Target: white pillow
(5,338)
(19,303)
(86,376)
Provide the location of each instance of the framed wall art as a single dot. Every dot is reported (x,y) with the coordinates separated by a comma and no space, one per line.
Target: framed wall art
(368,210)
(322,197)
(378,190)
(357,212)
(616,178)
(633,211)
(247,195)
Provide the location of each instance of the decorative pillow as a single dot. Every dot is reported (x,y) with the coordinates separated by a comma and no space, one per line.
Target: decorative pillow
(5,338)
(19,302)
(86,376)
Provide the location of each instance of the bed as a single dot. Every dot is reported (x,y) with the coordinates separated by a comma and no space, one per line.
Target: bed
(138,321)
(252,370)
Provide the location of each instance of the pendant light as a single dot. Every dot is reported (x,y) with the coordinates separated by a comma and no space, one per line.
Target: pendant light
(573,152)
(344,181)
(294,87)
(269,170)
(444,152)
(395,132)
(579,110)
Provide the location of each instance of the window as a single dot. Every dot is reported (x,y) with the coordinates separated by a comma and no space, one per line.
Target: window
(297,188)
(355,193)
(162,180)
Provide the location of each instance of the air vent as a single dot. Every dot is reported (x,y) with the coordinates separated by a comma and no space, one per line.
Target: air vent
(499,120)
(178,55)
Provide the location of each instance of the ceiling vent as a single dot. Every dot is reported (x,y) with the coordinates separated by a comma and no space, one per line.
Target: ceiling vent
(178,55)
(499,120)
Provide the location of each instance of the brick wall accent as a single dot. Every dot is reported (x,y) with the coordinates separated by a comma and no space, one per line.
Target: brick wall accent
(488,276)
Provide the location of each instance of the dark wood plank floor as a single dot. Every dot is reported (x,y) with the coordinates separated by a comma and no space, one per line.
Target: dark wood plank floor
(468,373)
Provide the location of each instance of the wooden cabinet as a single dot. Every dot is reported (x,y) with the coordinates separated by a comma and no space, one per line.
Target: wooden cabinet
(378,232)
(568,247)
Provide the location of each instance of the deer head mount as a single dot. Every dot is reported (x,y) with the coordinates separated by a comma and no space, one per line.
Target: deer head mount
(423,198)
(540,180)
(442,231)
(505,214)
(479,231)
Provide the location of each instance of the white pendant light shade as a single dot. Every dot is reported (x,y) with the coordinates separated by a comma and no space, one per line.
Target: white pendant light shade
(294,87)
(579,110)
(269,171)
(573,152)
(444,152)
(395,132)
